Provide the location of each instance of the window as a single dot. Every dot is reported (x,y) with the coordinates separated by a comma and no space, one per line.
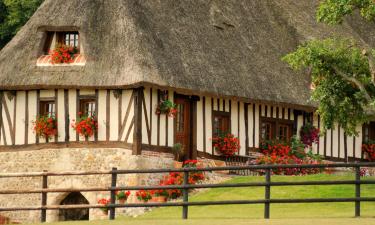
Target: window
(369,132)
(180,117)
(88,107)
(221,123)
(47,108)
(267,131)
(272,129)
(69,38)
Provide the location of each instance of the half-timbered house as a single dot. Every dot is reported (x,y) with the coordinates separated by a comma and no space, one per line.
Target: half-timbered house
(218,61)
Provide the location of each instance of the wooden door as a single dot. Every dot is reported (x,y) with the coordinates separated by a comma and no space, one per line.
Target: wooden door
(183,125)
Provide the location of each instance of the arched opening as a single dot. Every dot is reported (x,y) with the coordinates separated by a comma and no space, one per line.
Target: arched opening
(74,198)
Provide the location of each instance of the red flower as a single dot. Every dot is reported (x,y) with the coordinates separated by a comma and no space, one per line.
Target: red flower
(63,54)
(45,127)
(227,144)
(85,126)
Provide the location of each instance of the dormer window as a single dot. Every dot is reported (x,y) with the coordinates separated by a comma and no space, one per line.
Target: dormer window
(57,45)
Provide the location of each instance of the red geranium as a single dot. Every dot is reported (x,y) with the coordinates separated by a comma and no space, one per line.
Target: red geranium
(143,195)
(45,127)
(85,126)
(63,54)
(369,151)
(105,202)
(226,145)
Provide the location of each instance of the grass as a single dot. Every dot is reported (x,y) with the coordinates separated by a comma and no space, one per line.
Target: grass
(290,214)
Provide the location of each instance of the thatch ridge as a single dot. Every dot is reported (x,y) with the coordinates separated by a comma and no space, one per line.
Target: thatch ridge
(229,48)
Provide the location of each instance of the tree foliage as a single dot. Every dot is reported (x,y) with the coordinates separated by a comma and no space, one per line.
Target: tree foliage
(13,15)
(342,71)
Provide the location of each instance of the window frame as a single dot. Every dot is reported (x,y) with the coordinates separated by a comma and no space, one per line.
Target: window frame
(60,38)
(43,111)
(368,132)
(222,115)
(85,100)
(276,124)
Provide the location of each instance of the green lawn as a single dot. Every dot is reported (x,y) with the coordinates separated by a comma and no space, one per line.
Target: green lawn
(316,213)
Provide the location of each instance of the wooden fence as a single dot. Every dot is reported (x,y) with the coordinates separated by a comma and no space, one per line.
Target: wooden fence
(185,187)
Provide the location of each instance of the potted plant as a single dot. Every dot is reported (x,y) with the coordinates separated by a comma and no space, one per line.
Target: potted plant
(143,196)
(166,106)
(104,202)
(63,54)
(160,196)
(85,126)
(45,127)
(178,151)
(226,144)
(122,196)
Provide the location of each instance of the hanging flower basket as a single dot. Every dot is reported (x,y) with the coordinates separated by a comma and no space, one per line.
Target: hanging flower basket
(85,126)
(63,54)
(45,127)
(227,145)
(166,107)
(309,135)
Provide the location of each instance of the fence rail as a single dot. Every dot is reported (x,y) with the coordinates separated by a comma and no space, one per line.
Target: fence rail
(185,187)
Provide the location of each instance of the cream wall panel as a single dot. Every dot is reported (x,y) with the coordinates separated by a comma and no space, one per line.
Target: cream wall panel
(102,115)
(328,138)
(114,104)
(335,142)
(163,118)
(221,105)
(215,105)
(32,116)
(257,118)
(8,124)
(72,113)
(242,134)
(342,144)
(291,114)
(234,118)
(61,115)
(358,143)
(208,126)
(350,143)
(200,125)
(20,117)
(125,104)
(87,92)
(250,120)
(227,105)
(154,132)
(315,123)
(171,123)
(285,113)
(147,96)
(47,93)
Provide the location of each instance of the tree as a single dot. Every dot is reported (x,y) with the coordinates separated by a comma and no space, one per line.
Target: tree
(342,70)
(13,15)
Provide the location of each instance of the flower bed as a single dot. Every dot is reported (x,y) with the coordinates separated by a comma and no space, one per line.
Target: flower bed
(85,126)
(226,145)
(45,127)
(284,154)
(63,54)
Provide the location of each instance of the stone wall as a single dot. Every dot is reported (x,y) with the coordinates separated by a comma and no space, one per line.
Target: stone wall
(82,159)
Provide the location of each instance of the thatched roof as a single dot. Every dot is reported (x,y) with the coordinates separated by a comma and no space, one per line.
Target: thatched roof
(228,48)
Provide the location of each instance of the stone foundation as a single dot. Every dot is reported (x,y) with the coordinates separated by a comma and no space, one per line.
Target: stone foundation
(69,159)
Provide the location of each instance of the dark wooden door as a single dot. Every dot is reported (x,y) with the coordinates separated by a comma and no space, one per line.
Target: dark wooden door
(183,125)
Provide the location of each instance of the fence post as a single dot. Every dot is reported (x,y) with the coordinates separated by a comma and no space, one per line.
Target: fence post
(112,210)
(43,212)
(357,191)
(185,193)
(267,194)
